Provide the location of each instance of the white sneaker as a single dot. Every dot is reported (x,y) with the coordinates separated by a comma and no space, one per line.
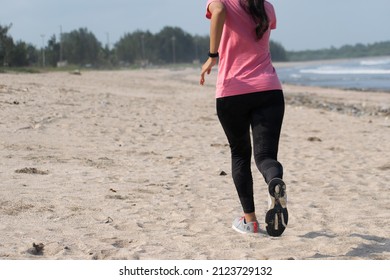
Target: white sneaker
(241,226)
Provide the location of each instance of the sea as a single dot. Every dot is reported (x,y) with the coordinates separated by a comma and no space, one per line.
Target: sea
(365,74)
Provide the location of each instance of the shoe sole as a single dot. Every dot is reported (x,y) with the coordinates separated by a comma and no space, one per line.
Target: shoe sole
(277,215)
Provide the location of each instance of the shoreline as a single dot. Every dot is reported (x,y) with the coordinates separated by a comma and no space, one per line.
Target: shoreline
(358,103)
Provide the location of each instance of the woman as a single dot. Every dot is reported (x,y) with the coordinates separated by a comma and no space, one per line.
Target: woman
(249,97)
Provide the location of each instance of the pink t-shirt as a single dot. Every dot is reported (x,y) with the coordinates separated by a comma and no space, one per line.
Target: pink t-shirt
(245,64)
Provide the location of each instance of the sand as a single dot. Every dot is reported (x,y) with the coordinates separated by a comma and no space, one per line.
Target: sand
(129,165)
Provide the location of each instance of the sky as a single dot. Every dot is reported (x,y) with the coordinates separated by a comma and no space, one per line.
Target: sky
(302,24)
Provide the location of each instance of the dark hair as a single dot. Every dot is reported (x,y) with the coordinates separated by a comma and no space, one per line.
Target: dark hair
(256,9)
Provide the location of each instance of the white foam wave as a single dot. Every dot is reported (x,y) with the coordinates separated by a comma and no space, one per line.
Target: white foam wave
(345,71)
(375,62)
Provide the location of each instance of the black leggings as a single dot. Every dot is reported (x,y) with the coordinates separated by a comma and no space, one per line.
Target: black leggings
(263,112)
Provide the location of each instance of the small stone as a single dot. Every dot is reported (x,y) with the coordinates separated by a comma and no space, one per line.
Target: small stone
(37,249)
(314,139)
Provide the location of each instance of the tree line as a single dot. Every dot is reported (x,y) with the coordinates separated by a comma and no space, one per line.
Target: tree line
(346,51)
(80,47)
(170,45)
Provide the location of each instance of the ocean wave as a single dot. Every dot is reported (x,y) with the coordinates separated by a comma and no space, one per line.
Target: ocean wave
(344,71)
(363,74)
(374,62)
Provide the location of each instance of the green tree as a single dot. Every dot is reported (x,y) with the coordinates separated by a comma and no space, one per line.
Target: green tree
(175,45)
(346,51)
(202,45)
(278,53)
(52,51)
(81,47)
(135,47)
(32,55)
(6,45)
(19,56)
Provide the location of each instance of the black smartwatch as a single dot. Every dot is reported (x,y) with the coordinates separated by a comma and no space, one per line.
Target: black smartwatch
(213,55)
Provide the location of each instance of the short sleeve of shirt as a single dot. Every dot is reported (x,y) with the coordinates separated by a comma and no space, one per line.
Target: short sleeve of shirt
(272,17)
(208,14)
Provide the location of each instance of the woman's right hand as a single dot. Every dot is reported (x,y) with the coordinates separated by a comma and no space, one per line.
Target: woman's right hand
(206,68)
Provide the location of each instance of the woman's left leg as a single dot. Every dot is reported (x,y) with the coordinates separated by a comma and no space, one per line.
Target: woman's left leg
(235,120)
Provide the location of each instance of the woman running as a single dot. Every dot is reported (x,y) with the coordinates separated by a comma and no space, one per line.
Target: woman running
(249,102)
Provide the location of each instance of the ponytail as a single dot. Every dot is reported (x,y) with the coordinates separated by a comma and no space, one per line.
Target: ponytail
(257,11)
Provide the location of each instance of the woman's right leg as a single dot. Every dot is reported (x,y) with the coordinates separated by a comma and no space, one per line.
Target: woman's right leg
(267,118)
(266,121)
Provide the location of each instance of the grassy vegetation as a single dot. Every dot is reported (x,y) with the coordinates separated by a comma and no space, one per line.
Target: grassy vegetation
(347,51)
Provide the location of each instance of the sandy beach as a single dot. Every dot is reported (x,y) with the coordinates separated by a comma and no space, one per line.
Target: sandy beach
(130,165)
